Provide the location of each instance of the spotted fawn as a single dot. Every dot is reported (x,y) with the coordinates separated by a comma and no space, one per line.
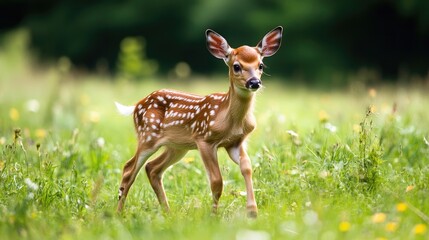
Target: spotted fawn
(180,122)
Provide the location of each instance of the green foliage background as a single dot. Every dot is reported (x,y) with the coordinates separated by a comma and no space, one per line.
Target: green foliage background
(323,40)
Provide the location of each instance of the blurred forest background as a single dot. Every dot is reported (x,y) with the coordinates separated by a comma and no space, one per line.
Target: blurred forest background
(324,41)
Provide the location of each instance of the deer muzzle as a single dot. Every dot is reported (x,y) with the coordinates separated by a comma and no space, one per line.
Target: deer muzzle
(253,84)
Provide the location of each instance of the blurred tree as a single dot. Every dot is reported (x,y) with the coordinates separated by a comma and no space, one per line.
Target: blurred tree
(321,37)
(132,61)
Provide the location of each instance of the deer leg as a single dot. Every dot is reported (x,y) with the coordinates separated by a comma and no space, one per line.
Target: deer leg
(209,155)
(131,169)
(239,155)
(156,168)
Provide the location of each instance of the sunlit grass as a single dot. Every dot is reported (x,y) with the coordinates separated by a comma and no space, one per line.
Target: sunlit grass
(341,164)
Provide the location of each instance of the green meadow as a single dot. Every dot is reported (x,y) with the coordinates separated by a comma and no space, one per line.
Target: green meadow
(343,163)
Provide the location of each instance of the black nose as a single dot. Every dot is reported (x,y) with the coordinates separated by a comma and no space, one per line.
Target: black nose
(253,83)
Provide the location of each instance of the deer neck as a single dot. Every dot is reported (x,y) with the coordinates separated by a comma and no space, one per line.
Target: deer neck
(240,104)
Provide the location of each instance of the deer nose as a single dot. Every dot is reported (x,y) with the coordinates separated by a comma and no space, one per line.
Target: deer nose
(253,83)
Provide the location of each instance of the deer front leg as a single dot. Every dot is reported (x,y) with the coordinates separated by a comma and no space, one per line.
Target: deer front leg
(239,155)
(209,155)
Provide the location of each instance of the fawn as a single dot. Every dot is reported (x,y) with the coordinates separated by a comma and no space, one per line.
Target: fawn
(180,122)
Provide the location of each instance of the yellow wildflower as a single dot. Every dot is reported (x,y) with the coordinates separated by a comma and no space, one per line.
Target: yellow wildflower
(84,100)
(409,188)
(323,116)
(12,219)
(189,159)
(94,117)
(419,229)
(41,133)
(391,226)
(14,114)
(344,226)
(372,92)
(401,207)
(378,218)
(1,165)
(356,128)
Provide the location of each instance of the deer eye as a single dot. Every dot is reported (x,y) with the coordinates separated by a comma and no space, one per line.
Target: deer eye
(236,67)
(261,66)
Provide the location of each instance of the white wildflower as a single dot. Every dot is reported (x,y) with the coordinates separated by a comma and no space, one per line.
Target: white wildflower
(324,174)
(33,105)
(281,118)
(311,218)
(292,133)
(100,142)
(330,127)
(289,228)
(31,185)
(247,234)
(30,195)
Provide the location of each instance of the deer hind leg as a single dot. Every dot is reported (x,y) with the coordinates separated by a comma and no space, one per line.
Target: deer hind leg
(156,168)
(131,169)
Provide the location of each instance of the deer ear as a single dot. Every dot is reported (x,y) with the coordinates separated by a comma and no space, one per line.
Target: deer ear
(271,42)
(217,45)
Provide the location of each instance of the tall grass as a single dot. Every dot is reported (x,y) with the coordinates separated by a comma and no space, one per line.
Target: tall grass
(340,164)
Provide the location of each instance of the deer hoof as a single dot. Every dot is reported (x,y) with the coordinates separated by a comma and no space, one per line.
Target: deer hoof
(120,194)
(252,214)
